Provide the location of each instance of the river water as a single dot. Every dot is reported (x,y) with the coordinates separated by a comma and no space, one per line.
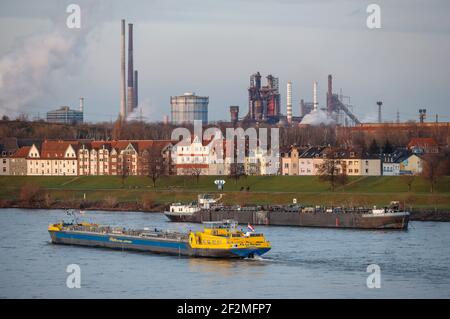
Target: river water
(303,263)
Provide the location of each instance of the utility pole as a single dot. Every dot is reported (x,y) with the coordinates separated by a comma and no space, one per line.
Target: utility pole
(379,103)
(422,115)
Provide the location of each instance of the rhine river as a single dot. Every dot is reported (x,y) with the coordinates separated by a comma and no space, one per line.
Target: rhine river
(303,263)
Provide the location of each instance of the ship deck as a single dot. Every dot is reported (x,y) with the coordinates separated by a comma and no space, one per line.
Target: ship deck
(134,233)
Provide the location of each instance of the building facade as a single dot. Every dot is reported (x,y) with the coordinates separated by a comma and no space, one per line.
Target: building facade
(65,115)
(18,161)
(56,158)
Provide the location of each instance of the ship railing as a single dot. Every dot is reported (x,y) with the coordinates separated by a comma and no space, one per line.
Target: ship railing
(128,232)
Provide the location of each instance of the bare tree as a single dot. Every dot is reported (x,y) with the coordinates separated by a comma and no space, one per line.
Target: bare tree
(196,172)
(124,171)
(236,171)
(154,165)
(433,169)
(409,180)
(333,171)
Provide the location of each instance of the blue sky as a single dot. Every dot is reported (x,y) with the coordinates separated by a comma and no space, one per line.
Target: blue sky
(212,47)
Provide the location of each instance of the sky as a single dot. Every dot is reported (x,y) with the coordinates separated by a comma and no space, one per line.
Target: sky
(211,47)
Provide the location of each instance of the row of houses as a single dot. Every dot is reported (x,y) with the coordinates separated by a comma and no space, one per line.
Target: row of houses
(73,158)
(309,161)
(195,156)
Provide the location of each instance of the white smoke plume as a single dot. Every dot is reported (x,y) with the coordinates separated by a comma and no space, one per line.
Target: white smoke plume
(317,117)
(29,68)
(25,71)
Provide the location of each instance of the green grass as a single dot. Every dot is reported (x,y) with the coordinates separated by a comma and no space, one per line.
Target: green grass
(301,184)
(263,189)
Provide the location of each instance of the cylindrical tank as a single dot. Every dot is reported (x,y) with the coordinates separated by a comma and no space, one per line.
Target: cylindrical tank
(188,108)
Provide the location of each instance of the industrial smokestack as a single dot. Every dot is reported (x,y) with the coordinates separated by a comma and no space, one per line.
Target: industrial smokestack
(81,104)
(130,89)
(330,95)
(234,113)
(289,103)
(315,104)
(135,89)
(123,93)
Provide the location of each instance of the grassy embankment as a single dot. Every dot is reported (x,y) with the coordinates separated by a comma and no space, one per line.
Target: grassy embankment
(262,190)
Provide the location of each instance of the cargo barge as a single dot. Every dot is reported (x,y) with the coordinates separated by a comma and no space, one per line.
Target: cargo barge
(217,240)
(207,208)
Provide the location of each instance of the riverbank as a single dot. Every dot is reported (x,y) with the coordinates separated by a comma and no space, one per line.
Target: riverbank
(416,214)
(137,193)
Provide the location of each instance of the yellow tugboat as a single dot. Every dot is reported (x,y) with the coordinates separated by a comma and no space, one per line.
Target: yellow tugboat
(217,239)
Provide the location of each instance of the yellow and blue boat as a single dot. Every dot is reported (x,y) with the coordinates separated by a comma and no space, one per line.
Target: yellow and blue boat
(217,239)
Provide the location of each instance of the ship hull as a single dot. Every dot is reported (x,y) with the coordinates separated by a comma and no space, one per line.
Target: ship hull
(282,218)
(171,247)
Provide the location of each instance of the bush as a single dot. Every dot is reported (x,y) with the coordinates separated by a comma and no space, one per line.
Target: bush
(30,193)
(110,202)
(147,201)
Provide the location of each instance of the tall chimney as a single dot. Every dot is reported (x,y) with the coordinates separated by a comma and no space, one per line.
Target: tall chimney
(135,91)
(315,104)
(289,103)
(123,92)
(130,89)
(234,113)
(330,95)
(81,104)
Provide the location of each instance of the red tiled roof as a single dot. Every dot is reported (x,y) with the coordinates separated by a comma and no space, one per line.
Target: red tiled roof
(422,141)
(139,145)
(22,152)
(56,149)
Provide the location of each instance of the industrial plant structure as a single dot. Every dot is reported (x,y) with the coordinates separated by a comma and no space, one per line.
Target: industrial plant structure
(65,115)
(188,108)
(336,107)
(263,101)
(129,88)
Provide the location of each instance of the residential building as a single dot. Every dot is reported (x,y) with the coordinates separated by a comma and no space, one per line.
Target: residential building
(261,162)
(56,158)
(310,160)
(18,161)
(290,161)
(391,162)
(191,156)
(8,146)
(411,165)
(423,145)
(155,157)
